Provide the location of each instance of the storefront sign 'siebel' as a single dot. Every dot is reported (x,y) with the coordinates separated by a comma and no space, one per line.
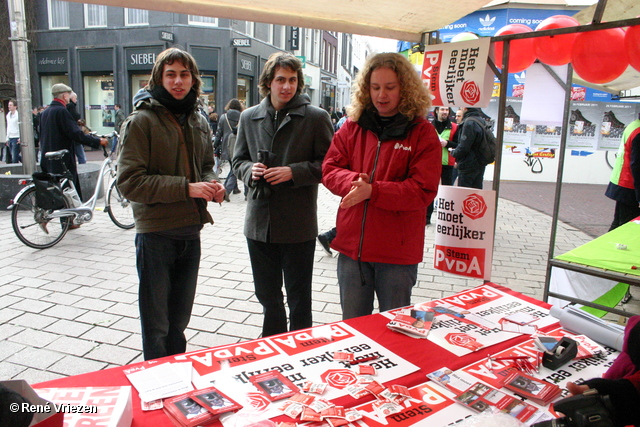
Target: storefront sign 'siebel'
(464,231)
(457,73)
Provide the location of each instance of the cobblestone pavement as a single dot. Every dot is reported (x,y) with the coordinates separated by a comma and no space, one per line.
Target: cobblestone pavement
(73,308)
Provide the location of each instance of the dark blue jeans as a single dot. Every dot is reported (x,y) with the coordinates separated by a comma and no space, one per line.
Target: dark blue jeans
(168,273)
(14,146)
(392,283)
(270,262)
(471,178)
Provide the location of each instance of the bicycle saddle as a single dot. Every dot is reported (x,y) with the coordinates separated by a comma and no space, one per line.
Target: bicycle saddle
(56,155)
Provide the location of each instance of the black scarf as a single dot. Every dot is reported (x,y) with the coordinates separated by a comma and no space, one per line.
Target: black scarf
(387,128)
(178,107)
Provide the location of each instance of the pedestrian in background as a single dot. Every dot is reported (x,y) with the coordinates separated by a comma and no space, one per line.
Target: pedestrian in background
(227,126)
(385,164)
(13,133)
(58,131)
(470,168)
(72,106)
(624,185)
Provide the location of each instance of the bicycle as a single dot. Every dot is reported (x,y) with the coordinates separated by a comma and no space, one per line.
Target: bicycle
(35,226)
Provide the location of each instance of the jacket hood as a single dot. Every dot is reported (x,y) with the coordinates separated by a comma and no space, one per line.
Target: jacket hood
(233,115)
(141,95)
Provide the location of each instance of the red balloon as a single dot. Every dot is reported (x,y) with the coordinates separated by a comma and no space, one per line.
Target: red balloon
(521,53)
(555,50)
(632,44)
(600,56)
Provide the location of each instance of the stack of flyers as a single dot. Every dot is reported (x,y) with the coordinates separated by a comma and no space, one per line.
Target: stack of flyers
(199,407)
(480,397)
(412,322)
(539,391)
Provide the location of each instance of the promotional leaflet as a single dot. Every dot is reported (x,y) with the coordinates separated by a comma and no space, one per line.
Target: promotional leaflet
(301,356)
(470,320)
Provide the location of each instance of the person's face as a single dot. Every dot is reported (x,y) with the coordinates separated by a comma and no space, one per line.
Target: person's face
(459,116)
(443,113)
(177,80)
(65,96)
(12,106)
(283,87)
(385,91)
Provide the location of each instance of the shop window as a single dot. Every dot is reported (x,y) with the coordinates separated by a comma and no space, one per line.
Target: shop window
(46,82)
(136,17)
(203,20)
(208,90)
(99,112)
(58,14)
(95,15)
(244,91)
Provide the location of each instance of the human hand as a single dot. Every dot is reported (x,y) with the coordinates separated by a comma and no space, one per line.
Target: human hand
(257,171)
(207,190)
(104,142)
(360,191)
(443,142)
(576,389)
(278,174)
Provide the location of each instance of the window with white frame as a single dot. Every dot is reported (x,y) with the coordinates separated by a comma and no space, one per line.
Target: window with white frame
(279,36)
(95,15)
(206,21)
(317,35)
(136,16)
(58,14)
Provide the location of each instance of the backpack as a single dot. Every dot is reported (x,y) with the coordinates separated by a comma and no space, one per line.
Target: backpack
(487,150)
(230,139)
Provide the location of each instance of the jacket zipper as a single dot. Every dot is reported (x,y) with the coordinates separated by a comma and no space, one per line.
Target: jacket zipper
(366,202)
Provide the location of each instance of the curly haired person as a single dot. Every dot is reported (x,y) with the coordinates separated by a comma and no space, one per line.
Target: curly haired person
(385,164)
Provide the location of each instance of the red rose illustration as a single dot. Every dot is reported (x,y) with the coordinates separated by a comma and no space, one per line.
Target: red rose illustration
(463,340)
(470,92)
(258,401)
(474,206)
(339,378)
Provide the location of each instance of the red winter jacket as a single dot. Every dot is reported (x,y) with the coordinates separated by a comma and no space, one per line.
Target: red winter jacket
(404,166)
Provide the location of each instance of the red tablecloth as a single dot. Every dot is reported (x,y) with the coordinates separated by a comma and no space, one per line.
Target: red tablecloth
(423,353)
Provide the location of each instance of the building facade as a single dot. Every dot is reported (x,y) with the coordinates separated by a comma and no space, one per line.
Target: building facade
(106,55)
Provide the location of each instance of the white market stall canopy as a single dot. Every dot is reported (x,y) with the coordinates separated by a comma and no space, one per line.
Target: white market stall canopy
(405,20)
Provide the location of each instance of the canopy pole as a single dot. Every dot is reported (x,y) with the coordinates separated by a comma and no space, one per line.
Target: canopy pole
(556,203)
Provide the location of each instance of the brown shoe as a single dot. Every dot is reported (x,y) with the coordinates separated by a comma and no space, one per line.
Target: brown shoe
(74,226)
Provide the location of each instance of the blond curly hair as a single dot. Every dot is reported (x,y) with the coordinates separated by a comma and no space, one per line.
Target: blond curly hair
(415,99)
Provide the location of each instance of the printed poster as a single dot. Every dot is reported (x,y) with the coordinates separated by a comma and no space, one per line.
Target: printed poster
(457,74)
(464,231)
(301,356)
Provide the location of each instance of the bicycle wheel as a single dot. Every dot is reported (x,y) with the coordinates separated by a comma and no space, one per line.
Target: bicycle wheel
(119,208)
(34,226)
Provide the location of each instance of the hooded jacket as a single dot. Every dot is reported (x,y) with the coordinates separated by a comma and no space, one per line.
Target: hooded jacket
(470,135)
(404,163)
(152,171)
(297,136)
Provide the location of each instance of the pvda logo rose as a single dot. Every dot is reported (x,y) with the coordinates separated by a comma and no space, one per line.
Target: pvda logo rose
(474,206)
(470,92)
(339,378)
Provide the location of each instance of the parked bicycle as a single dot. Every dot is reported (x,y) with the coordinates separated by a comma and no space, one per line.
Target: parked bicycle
(43,211)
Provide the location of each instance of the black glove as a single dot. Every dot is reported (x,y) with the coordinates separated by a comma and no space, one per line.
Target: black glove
(262,188)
